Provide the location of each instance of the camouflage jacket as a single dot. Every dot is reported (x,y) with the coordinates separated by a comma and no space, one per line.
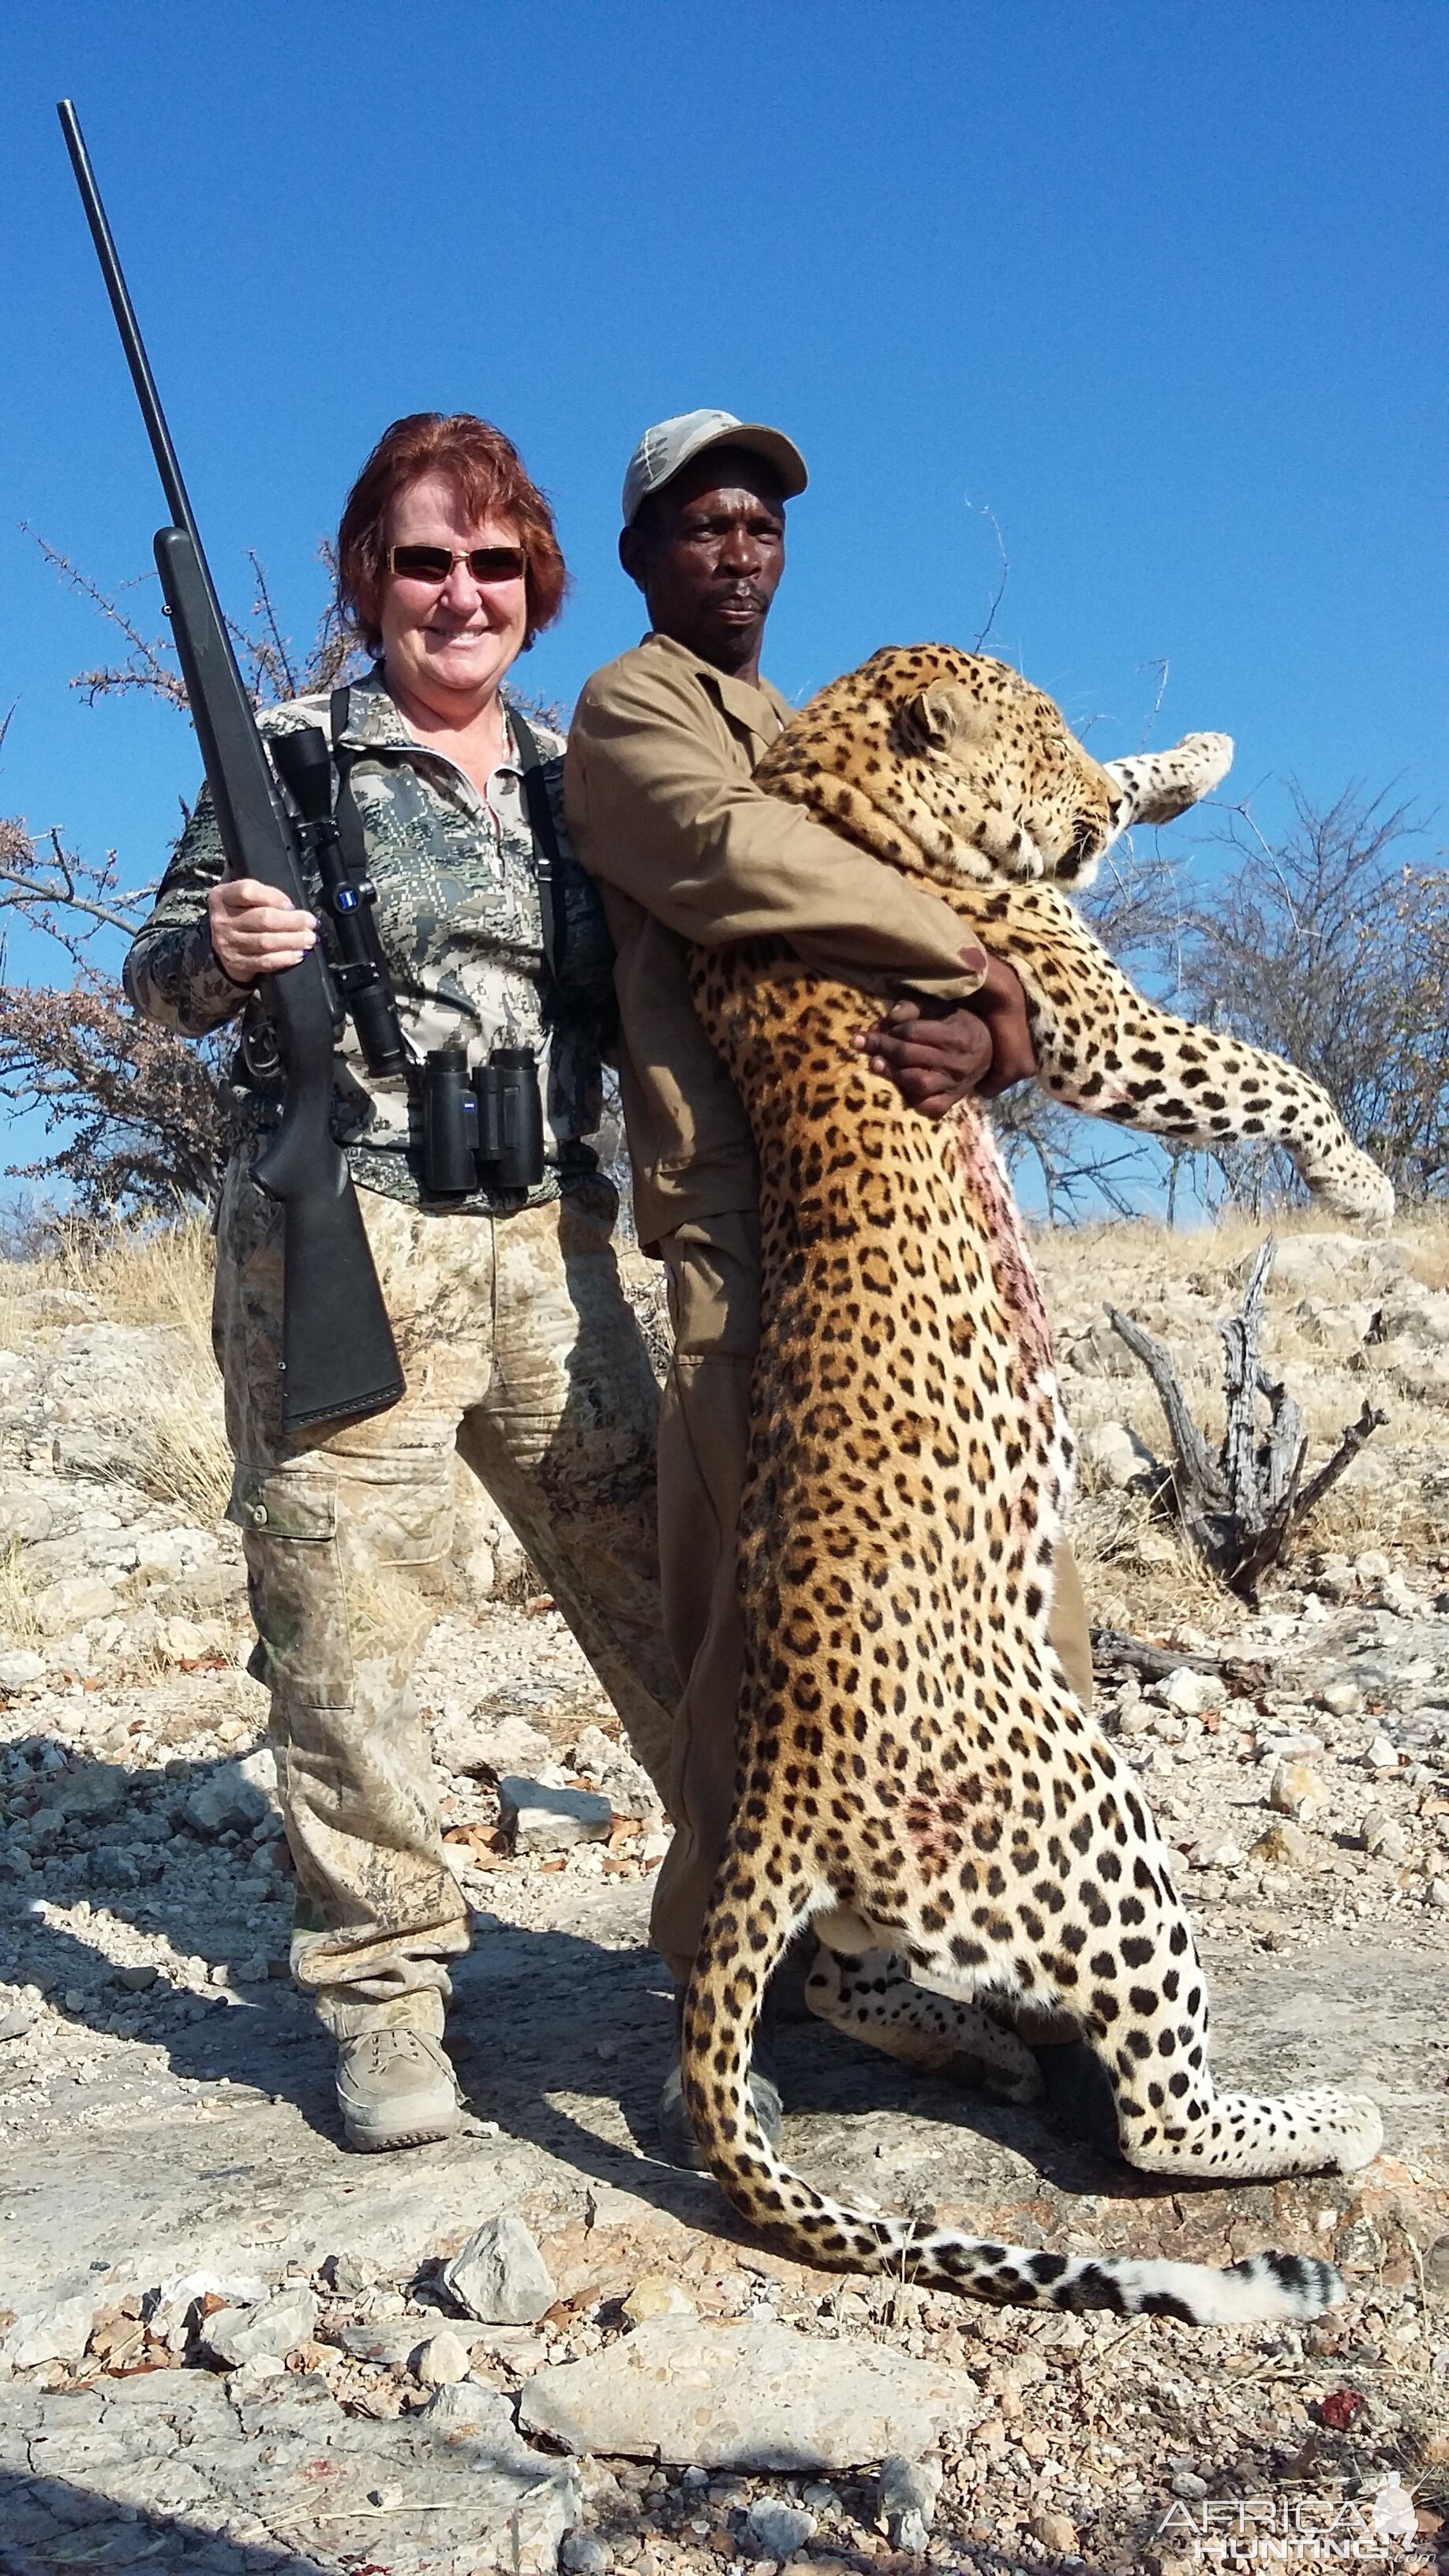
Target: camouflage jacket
(458,915)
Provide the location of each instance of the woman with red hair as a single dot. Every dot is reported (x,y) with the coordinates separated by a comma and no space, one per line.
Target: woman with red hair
(520,1351)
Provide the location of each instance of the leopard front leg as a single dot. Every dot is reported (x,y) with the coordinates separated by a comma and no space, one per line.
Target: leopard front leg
(1103,1048)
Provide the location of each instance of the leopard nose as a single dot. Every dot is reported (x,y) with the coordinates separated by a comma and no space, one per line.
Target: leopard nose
(1086,844)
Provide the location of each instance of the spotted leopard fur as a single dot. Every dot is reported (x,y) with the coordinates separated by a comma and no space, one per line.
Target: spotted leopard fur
(917,1779)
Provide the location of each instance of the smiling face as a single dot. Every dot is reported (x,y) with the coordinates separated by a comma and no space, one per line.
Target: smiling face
(448,644)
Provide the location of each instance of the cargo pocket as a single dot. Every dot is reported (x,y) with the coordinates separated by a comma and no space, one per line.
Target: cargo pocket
(295,1582)
(399,1506)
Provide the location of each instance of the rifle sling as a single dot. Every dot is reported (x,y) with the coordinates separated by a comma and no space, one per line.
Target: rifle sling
(547,857)
(345,815)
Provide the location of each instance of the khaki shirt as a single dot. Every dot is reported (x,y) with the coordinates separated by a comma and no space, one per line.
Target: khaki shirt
(662,808)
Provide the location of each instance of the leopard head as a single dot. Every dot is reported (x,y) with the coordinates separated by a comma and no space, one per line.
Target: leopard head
(951,765)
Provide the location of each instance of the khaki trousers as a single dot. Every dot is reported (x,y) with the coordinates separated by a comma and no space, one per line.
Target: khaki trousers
(714,1300)
(524,1359)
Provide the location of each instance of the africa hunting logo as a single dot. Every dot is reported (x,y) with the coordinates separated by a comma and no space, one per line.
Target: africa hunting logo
(1276,2531)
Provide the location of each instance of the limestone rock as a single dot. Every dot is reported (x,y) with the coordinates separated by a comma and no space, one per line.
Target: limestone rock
(226,1803)
(536,1817)
(1218,1855)
(71,1602)
(277,2325)
(88,1795)
(1421,1314)
(465,2410)
(748,2395)
(54,2327)
(20,1669)
(441,2362)
(1190,1693)
(1056,2532)
(260,1768)
(581,2554)
(656,2296)
(1297,1791)
(1114,1449)
(181,1641)
(500,2277)
(488,1739)
(393,2341)
(623,1781)
(1100,1353)
(777,2530)
(1383,1835)
(1284,1846)
(1288,1747)
(1330,1265)
(1341,1698)
(909,2490)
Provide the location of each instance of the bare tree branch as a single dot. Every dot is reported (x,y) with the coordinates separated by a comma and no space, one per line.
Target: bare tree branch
(983,510)
(1331,949)
(1241,1507)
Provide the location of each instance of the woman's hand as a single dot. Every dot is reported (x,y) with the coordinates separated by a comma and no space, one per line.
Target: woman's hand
(936,1060)
(255,931)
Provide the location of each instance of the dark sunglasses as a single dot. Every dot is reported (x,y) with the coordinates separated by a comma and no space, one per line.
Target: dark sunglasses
(487,564)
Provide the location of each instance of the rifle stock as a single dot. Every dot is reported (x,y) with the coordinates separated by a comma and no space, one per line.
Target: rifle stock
(339,1356)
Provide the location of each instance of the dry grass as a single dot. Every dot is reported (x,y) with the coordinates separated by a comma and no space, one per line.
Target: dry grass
(131,1274)
(182,1457)
(159,1275)
(19,1626)
(145,1276)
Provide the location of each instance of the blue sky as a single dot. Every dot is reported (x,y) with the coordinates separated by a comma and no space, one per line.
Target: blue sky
(1159,285)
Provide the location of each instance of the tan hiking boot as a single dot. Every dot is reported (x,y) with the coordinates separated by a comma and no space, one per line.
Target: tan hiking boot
(395,2088)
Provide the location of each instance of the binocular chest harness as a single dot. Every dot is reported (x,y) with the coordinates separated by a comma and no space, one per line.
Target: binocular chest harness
(479,1128)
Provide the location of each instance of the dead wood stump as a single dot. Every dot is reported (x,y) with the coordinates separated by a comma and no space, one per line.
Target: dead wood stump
(1241,1506)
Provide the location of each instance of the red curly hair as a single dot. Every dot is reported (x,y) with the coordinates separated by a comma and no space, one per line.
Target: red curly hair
(489,474)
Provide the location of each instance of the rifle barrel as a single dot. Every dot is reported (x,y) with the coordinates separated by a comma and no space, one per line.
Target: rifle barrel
(127,325)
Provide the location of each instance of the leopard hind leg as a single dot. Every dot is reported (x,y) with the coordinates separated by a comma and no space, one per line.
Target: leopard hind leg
(1147,2018)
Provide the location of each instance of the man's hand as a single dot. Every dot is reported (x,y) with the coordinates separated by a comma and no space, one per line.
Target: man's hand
(256,932)
(938,1059)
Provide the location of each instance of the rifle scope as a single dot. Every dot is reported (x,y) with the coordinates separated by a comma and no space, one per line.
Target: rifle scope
(359,969)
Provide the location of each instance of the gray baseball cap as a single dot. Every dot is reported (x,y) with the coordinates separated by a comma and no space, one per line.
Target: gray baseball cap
(670,444)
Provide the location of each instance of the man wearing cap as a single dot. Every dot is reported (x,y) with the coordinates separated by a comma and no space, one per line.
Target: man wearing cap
(663,809)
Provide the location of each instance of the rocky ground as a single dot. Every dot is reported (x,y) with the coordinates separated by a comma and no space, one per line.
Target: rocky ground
(225,2344)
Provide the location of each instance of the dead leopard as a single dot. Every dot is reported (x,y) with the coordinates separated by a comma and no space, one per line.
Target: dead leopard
(917,1779)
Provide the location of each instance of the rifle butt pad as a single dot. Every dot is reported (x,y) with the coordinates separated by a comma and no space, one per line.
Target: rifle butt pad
(339,1358)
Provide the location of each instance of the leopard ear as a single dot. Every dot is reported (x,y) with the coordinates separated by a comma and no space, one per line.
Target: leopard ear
(941,717)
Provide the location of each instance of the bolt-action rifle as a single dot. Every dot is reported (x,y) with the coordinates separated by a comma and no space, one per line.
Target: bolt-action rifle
(339,1358)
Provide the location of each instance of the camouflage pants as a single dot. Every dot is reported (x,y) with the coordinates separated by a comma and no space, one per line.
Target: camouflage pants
(523,1358)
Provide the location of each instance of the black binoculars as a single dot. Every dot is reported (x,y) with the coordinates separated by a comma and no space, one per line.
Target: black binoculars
(482,1130)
